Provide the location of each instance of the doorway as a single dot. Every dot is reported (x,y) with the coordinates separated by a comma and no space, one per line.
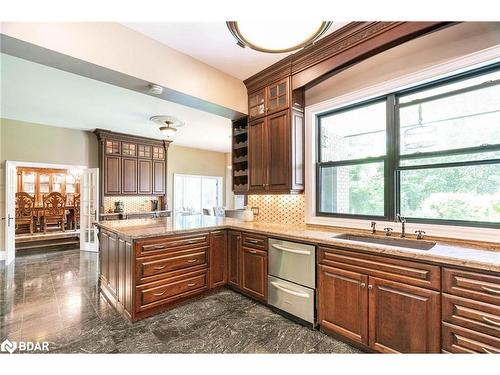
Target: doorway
(48,205)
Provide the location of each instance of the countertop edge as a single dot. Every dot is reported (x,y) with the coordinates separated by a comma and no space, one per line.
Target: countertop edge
(415,255)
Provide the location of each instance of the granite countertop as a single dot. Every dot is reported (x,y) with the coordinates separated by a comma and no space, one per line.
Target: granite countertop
(446,252)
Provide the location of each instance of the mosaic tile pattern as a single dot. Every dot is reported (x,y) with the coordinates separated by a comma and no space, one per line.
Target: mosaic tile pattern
(283,209)
(131,204)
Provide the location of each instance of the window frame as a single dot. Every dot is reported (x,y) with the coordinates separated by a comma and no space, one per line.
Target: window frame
(392,158)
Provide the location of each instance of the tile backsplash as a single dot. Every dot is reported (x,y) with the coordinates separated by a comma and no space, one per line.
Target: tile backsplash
(131,203)
(283,209)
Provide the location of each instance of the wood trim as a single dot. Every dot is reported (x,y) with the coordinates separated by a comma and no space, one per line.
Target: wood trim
(103,134)
(348,45)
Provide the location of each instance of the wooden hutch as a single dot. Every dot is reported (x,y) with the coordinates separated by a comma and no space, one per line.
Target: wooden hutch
(132,166)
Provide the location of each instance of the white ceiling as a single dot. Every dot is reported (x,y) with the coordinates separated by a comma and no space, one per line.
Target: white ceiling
(212,43)
(36,93)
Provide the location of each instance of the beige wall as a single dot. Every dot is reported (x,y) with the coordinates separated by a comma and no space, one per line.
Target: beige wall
(186,160)
(21,141)
(119,48)
(427,51)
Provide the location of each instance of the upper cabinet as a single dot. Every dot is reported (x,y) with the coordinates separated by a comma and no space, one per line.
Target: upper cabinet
(268,148)
(269,99)
(132,165)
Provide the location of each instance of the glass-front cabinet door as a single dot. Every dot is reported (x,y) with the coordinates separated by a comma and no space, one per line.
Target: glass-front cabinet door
(43,186)
(277,96)
(257,104)
(58,182)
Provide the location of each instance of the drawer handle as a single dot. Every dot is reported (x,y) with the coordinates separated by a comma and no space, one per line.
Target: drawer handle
(159,268)
(157,247)
(160,294)
(491,321)
(490,290)
(191,260)
(292,292)
(295,251)
(191,284)
(254,241)
(252,251)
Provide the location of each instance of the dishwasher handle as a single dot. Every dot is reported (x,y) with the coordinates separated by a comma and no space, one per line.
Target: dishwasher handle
(289,291)
(294,251)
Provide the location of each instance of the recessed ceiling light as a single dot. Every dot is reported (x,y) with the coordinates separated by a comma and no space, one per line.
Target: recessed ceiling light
(277,36)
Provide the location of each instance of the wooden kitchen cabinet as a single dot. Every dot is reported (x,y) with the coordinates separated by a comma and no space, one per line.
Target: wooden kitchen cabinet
(275,153)
(257,156)
(254,273)
(257,104)
(145,176)
(386,304)
(218,259)
(269,99)
(159,186)
(234,259)
(112,175)
(403,318)
(343,303)
(129,175)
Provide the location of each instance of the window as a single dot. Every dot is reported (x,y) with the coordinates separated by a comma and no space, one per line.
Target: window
(431,153)
(194,193)
(352,160)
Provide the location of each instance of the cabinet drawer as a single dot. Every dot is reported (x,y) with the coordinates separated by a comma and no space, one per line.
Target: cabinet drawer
(167,290)
(461,340)
(473,285)
(159,265)
(412,273)
(255,241)
(173,243)
(475,315)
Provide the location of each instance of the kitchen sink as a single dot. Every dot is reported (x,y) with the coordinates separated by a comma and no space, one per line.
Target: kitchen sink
(388,241)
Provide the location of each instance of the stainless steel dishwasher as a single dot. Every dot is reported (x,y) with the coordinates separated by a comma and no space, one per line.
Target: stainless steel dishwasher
(292,278)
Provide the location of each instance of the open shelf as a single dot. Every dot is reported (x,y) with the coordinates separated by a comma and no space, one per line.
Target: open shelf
(240,155)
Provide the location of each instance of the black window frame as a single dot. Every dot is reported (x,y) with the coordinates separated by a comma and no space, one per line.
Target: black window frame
(392,167)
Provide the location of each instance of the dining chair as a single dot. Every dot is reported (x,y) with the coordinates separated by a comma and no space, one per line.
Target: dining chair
(25,212)
(74,215)
(54,210)
(207,211)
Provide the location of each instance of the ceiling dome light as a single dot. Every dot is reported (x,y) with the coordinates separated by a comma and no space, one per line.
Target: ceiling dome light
(168,125)
(277,36)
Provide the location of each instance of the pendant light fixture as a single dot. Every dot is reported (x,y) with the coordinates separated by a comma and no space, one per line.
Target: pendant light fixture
(277,36)
(168,125)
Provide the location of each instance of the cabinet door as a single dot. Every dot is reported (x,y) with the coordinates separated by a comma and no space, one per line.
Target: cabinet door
(218,259)
(129,149)
(129,175)
(234,256)
(403,318)
(158,177)
(277,97)
(257,147)
(112,177)
(145,170)
(257,104)
(254,273)
(343,303)
(279,156)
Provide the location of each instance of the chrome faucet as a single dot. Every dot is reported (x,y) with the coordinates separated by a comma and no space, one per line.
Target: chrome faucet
(372,225)
(402,220)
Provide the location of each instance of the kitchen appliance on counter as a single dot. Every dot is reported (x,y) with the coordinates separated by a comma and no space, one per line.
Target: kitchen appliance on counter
(292,278)
(119,207)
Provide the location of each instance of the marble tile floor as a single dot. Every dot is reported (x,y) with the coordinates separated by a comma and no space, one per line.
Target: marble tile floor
(54,297)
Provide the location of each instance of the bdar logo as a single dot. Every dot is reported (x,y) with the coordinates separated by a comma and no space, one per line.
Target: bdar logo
(8,346)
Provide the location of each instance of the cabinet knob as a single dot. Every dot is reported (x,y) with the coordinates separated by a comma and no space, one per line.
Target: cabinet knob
(363,285)
(370,287)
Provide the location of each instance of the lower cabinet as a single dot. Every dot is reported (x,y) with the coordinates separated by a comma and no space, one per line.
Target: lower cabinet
(218,259)
(403,318)
(387,316)
(254,273)
(234,259)
(343,303)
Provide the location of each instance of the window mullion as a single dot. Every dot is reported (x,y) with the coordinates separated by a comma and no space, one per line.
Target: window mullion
(391,159)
